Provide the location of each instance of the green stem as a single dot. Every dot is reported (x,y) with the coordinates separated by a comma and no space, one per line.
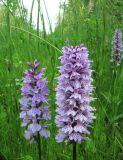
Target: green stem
(39,146)
(74,150)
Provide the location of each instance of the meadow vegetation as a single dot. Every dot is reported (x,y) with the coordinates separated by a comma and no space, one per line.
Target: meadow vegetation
(91,22)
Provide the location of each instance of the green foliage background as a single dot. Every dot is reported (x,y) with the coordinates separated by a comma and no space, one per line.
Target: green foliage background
(91,22)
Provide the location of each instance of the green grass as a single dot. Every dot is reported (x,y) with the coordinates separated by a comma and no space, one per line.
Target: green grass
(92,25)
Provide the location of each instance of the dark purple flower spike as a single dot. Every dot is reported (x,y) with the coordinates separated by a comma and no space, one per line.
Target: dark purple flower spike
(117,47)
